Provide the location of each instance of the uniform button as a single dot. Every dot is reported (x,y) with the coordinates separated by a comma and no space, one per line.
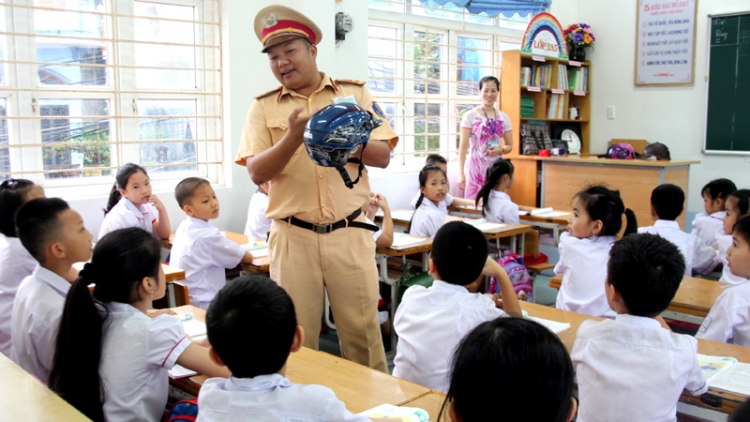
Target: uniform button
(309,100)
(321,176)
(283,125)
(324,205)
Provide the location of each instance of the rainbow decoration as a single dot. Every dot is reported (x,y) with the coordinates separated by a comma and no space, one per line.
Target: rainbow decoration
(544,37)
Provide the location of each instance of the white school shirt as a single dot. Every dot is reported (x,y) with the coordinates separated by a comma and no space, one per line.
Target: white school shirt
(723,242)
(257,225)
(37,311)
(428,218)
(632,369)
(501,208)
(430,323)
(16,263)
(125,215)
(137,353)
(270,398)
(583,264)
(204,253)
(729,319)
(707,227)
(698,256)
(376,234)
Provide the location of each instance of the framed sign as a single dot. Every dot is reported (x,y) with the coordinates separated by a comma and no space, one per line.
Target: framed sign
(665,42)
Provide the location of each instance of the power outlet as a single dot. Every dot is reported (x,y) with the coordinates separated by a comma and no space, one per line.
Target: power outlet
(611,112)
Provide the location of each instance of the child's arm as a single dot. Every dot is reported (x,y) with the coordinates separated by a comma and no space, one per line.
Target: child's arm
(510,301)
(662,322)
(162,228)
(386,237)
(196,358)
(247,258)
(463,202)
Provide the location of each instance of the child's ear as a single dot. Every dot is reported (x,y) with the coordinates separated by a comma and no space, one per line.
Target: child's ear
(455,417)
(122,192)
(56,250)
(215,357)
(573,408)
(148,286)
(720,203)
(654,215)
(299,339)
(598,227)
(188,210)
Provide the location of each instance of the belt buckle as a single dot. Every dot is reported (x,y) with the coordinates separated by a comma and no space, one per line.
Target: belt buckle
(322,229)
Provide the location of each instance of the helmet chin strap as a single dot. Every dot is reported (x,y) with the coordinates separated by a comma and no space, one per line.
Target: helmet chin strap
(345,175)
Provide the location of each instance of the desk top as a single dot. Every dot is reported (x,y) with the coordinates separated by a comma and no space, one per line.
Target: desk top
(432,403)
(23,398)
(361,388)
(595,160)
(420,247)
(729,401)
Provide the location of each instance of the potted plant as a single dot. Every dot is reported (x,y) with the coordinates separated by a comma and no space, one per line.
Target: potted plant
(579,37)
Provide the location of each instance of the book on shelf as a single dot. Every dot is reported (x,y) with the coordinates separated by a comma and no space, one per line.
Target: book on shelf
(527,106)
(578,79)
(537,75)
(562,76)
(556,106)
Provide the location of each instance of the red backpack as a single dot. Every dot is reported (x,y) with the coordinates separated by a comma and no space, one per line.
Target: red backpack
(183,411)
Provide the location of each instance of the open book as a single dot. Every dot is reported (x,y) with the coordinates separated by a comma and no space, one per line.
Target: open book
(403,241)
(257,249)
(725,373)
(194,328)
(554,326)
(404,414)
(484,225)
(543,212)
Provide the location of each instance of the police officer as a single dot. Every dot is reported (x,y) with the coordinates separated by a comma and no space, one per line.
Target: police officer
(311,247)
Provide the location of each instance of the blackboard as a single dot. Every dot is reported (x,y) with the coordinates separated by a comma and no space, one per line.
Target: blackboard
(728,104)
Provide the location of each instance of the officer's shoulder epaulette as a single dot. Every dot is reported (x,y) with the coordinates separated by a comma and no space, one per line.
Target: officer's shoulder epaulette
(351,81)
(267,93)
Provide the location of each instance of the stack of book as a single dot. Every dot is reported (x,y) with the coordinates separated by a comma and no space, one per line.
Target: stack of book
(578,79)
(562,76)
(556,106)
(540,76)
(525,75)
(527,106)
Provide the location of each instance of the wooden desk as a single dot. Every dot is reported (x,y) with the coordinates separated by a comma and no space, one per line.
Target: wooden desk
(432,403)
(23,398)
(553,223)
(692,302)
(726,402)
(259,265)
(361,388)
(563,177)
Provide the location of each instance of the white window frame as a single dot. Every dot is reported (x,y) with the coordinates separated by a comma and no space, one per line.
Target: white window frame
(24,92)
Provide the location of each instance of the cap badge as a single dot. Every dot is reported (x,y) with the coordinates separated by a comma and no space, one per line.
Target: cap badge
(270,20)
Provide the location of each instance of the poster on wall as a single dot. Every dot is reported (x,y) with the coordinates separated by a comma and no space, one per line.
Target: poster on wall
(665,42)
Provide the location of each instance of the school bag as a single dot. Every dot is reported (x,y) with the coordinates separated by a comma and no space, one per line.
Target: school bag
(518,274)
(412,278)
(183,411)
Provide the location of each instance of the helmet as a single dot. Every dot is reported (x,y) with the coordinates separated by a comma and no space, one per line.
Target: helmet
(658,150)
(336,132)
(621,152)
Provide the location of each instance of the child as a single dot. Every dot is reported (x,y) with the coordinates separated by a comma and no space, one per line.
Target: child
(498,206)
(432,160)
(258,388)
(707,225)
(258,225)
(529,368)
(131,204)
(584,251)
(431,321)
(199,248)
(737,206)
(633,368)
(666,205)
(55,236)
(108,344)
(15,261)
(433,201)
(729,319)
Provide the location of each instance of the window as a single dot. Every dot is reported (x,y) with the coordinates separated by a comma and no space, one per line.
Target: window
(89,85)
(424,66)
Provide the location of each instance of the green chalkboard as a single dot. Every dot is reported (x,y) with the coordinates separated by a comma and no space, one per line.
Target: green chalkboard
(728,107)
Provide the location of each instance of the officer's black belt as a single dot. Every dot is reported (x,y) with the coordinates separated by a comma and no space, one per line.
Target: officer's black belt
(327,228)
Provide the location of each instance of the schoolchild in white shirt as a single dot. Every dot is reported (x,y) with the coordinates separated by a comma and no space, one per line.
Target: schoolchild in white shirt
(666,205)
(633,368)
(16,263)
(707,225)
(527,373)
(198,247)
(55,236)
(431,321)
(433,201)
(107,343)
(258,388)
(584,251)
(432,160)
(258,225)
(736,206)
(498,207)
(133,204)
(729,319)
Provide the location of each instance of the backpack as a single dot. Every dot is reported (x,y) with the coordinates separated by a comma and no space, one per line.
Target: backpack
(412,278)
(518,274)
(183,411)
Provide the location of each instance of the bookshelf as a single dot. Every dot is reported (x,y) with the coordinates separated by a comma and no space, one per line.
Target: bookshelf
(543,83)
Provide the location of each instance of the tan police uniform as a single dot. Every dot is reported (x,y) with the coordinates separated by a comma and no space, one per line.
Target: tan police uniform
(305,262)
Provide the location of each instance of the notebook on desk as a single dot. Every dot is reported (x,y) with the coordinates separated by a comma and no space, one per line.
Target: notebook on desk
(725,373)
(403,241)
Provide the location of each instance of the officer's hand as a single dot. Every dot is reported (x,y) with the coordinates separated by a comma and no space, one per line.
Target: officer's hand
(298,120)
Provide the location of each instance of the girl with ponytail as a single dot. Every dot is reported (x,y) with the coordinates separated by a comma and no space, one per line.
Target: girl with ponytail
(432,204)
(112,360)
(498,207)
(584,250)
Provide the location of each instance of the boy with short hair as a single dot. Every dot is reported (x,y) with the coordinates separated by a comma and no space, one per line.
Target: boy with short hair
(258,388)
(666,205)
(709,224)
(54,234)
(635,358)
(431,321)
(199,248)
